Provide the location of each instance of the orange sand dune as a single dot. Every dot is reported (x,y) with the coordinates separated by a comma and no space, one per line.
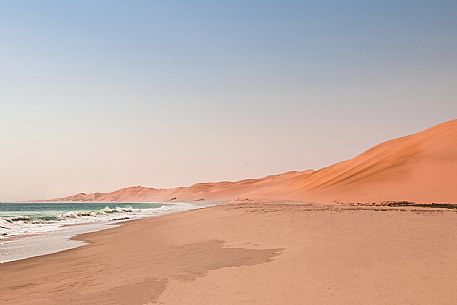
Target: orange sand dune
(421,167)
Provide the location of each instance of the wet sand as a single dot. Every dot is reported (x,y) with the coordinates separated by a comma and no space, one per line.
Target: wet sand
(252,253)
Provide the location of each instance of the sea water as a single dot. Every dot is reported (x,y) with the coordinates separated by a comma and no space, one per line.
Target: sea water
(32,229)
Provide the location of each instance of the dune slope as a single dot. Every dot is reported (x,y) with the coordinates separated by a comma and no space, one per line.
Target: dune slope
(421,167)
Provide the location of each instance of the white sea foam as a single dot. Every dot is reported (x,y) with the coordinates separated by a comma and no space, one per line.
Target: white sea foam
(40,237)
(19,224)
(50,242)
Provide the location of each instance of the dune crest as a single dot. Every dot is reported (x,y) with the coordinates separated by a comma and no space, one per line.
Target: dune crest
(421,167)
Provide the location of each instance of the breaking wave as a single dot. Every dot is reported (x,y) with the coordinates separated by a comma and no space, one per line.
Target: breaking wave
(26,219)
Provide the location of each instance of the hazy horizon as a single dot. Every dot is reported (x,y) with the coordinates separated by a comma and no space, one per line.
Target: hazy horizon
(100,95)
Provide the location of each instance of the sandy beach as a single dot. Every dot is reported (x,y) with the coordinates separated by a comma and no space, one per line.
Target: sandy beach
(228,152)
(252,253)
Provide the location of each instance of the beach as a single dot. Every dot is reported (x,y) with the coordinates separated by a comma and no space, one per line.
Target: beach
(252,253)
(228,152)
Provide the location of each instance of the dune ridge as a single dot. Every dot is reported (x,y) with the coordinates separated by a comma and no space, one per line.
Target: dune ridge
(421,167)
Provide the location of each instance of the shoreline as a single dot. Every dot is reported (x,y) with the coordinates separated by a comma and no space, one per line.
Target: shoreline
(265,253)
(25,247)
(20,247)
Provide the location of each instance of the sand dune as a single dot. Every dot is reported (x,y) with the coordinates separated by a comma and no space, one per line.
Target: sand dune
(421,167)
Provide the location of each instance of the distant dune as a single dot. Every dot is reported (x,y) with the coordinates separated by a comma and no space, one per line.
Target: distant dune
(421,167)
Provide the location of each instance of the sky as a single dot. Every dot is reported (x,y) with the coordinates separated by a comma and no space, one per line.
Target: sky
(98,95)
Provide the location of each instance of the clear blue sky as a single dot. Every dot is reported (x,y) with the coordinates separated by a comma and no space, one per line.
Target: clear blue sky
(97,95)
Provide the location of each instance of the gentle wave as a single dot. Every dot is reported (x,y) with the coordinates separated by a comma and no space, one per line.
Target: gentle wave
(46,236)
(17,223)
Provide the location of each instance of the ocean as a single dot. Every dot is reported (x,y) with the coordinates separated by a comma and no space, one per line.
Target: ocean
(32,229)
